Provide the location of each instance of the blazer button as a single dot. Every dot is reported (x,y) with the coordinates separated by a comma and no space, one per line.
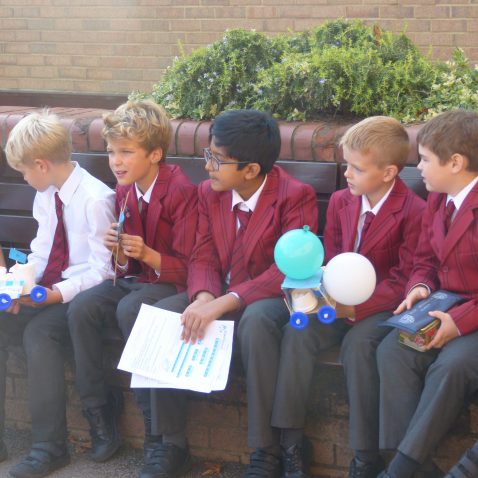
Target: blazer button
(445,269)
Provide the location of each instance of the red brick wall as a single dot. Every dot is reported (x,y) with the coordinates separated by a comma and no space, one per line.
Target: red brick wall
(217,422)
(111,46)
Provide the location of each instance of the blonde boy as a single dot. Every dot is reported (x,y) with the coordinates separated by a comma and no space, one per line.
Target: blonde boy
(379,217)
(73,210)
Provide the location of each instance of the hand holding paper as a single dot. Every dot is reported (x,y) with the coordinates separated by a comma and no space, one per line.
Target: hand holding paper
(158,357)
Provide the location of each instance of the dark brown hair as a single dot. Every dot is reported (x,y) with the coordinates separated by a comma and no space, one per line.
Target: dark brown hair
(452,132)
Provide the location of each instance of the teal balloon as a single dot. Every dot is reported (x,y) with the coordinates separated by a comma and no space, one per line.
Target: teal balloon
(299,253)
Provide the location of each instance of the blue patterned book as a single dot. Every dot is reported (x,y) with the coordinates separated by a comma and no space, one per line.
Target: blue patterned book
(417,317)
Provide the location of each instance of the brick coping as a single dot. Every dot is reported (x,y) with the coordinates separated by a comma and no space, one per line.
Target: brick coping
(301,141)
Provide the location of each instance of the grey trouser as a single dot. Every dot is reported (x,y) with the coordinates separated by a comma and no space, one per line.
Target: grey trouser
(422,393)
(279,363)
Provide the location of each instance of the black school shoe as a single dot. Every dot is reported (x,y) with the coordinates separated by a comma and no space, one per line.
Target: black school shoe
(104,432)
(39,463)
(361,469)
(467,466)
(263,465)
(293,462)
(434,472)
(165,460)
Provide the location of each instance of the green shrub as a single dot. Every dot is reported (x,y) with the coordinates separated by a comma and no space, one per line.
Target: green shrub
(339,68)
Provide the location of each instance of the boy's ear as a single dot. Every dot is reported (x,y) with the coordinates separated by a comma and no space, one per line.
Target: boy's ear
(390,172)
(42,164)
(458,162)
(156,155)
(253,170)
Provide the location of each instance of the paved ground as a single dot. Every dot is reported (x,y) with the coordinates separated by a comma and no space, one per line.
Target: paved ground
(126,464)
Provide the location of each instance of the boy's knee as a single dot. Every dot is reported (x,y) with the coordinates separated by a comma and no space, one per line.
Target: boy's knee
(83,309)
(255,325)
(37,340)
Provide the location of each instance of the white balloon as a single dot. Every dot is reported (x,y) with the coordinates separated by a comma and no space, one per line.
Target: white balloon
(349,278)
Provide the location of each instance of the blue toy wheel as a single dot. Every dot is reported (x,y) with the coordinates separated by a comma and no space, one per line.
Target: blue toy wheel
(326,314)
(5,301)
(38,294)
(299,320)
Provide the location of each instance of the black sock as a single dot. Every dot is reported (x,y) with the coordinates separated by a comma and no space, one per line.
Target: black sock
(272,450)
(367,456)
(291,436)
(402,466)
(178,439)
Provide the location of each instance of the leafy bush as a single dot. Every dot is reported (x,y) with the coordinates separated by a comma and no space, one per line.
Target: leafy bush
(339,68)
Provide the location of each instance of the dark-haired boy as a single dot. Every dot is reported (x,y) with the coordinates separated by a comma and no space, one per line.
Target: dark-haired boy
(422,393)
(232,271)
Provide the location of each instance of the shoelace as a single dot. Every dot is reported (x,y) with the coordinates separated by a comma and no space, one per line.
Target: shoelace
(293,459)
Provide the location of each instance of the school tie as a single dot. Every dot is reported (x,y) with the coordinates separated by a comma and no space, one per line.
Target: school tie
(59,257)
(238,271)
(143,212)
(449,210)
(369,215)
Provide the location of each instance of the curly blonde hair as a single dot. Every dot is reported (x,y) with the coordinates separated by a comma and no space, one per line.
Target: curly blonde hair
(143,121)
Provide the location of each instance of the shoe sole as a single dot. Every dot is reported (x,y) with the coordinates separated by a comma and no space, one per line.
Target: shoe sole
(106,456)
(184,468)
(56,466)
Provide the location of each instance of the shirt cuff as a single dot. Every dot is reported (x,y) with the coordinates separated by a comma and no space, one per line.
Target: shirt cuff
(420,284)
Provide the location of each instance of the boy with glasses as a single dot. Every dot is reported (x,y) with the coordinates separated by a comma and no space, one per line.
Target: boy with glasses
(244,207)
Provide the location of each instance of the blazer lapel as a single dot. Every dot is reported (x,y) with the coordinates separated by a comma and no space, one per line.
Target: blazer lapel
(348,217)
(155,207)
(131,212)
(262,215)
(463,219)
(386,217)
(224,229)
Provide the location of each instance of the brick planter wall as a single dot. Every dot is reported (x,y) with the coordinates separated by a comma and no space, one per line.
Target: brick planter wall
(217,423)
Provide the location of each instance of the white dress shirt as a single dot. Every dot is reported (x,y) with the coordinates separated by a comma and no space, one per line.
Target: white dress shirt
(88,211)
(366,208)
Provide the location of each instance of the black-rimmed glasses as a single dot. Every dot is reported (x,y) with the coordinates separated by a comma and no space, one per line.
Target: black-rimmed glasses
(216,163)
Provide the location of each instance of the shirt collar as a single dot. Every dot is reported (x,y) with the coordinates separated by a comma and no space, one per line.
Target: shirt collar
(251,203)
(147,195)
(366,205)
(461,196)
(70,185)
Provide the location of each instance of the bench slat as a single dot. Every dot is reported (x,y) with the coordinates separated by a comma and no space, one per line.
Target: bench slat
(17,231)
(16,197)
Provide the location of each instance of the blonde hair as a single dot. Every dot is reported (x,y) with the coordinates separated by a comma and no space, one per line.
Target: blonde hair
(39,135)
(385,137)
(143,121)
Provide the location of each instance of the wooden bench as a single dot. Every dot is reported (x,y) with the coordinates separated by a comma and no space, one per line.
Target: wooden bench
(217,423)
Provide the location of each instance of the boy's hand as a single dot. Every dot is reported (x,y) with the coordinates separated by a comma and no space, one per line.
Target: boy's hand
(196,318)
(111,240)
(14,307)
(52,297)
(447,331)
(134,246)
(344,311)
(416,294)
(204,310)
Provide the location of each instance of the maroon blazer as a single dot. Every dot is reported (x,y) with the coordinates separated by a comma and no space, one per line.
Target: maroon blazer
(451,262)
(389,244)
(285,203)
(170,225)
